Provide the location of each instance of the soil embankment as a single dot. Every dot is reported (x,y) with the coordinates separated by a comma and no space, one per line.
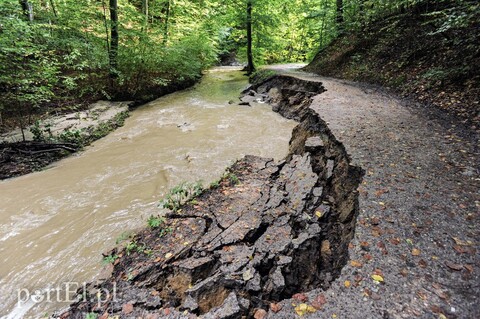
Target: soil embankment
(264,233)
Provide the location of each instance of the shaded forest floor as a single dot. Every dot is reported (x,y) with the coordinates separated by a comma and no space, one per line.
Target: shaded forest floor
(416,55)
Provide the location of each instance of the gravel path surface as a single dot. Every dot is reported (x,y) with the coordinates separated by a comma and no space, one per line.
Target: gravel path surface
(418,229)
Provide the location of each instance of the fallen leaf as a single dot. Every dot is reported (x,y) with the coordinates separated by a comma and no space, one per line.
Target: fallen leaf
(319,301)
(378,272)
(422,263)
(260,314)
(461,242)
(347,283)
(459,249)
(394,241)
(275,307)
(415,252)
(168,255)
(422,295)
(356,263)
(441,294)
(404,272)
(367,256)
(303,309)
(300,297)
(319,214)
(127,308)
(376,232)
(377,278)
(435,309)
(469,268)
(453,266)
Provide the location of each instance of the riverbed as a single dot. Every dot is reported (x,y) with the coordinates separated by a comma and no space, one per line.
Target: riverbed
(55,223)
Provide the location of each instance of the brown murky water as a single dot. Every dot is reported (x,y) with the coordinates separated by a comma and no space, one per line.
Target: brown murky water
(54,224)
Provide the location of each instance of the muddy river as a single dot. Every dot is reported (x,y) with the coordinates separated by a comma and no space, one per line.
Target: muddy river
(54,224)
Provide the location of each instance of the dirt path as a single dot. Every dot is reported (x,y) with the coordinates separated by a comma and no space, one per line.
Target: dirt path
(419,210)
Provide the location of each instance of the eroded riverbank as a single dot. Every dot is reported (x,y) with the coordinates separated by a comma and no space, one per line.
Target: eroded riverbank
(55,222)
(275,230)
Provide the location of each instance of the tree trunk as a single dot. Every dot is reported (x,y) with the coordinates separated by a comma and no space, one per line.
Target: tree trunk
(113,38)
(339,17)
(27,9)
(54,9)
(167,17)
(145,10)
(250,68)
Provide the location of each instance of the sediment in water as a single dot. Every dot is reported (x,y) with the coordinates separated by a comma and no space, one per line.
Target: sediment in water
(265,232)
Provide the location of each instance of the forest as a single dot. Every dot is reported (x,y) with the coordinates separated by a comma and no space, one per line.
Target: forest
(60,55)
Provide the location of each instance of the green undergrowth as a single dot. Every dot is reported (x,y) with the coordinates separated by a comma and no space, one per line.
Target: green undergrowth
(429,53)
(82,137)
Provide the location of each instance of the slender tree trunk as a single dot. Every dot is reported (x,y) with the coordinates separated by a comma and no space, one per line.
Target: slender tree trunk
(113,38)
(145,11)
(27,9)
(54,9)
(105,22)
(167,17)
(339,16)
(250,68)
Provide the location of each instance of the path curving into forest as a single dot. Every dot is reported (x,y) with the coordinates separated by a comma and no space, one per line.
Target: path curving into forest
(419,208)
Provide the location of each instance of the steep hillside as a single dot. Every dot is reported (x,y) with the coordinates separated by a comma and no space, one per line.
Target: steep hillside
(429,53)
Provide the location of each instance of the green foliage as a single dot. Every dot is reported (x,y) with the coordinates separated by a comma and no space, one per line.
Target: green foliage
(215,184)
(91,315)
(158,222)
(122,237)
(232,178)
(180,194)
(166,230)
(41,134)
(155,221)
(133,246)
(72,136)
(110,259)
